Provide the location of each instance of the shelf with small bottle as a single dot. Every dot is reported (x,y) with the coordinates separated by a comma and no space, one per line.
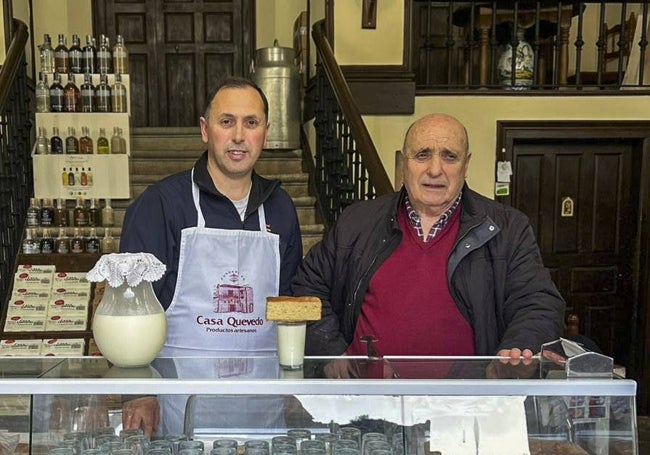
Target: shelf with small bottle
(54,126)
(58,93)
(87,176)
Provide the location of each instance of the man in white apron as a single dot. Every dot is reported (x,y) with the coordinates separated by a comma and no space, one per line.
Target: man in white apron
(229,237)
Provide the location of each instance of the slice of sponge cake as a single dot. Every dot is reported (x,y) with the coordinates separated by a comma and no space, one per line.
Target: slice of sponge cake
(285,308)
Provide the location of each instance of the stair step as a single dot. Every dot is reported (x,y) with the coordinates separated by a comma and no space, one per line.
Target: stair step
(156,162)
(159,152)
(294,184)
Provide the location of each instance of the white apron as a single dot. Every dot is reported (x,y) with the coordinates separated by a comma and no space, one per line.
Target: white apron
(219,305)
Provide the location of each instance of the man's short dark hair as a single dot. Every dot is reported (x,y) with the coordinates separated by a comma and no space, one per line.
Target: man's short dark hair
(236,82)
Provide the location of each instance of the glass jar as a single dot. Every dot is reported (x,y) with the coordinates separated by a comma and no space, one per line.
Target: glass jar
(129,325)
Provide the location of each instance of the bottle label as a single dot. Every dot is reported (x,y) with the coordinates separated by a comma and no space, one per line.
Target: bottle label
(76,245)
(92,245)
(63,246)
(47,245)
(33,217)
(47,216)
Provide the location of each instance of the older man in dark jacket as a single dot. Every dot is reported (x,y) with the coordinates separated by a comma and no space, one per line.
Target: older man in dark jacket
(435,269)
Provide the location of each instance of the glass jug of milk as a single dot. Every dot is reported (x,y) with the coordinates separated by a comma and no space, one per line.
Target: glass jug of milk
(129,324)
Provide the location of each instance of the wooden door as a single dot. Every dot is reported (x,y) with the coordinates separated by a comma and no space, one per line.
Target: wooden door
(582,186)
(178,50)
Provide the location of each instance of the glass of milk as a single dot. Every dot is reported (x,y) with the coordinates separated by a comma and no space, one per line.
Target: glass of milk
(291,344)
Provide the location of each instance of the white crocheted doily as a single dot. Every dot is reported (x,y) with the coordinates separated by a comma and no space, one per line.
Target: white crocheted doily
(132,268)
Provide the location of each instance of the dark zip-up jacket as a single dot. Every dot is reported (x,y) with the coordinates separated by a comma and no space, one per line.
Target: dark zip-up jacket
(495,275)
(153,222)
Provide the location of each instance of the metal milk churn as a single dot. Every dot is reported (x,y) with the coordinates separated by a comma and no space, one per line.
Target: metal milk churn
(275,71)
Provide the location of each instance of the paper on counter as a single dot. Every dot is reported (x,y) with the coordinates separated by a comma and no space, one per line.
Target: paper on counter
(497,422)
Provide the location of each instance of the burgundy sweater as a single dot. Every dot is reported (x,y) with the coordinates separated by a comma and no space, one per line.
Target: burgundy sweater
(408,306)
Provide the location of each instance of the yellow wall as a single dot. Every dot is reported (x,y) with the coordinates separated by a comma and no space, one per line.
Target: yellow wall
(354,45)
(480,115)
(274,19)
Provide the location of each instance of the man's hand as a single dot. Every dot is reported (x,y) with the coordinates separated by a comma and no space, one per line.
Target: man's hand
(516,364)
(516,356)
(341,369)
(141,413)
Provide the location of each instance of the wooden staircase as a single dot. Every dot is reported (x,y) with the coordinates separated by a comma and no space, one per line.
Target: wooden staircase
(159,152)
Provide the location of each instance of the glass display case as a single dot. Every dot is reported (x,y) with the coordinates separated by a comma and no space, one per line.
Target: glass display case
(416,405)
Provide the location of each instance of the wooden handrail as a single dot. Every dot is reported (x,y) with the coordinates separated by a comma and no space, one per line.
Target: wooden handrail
(13,61)
(366,147)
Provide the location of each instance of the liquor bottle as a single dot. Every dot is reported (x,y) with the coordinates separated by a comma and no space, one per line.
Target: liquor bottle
(87,94)
(108,218)
(103,95)
(64,177)
(119,95)
(118,143)
(47,55)
(42,146)
(85,142)
(42,92)
(71,179)
(61,213)
(31,245)
(107,243)
(89,175)
(94,214)
(71,142)
(77,242)
(62,242)
(77,176)
(47,213)
(120,56)
(92,241)
(56,94)
(61,56)
(89,56)
(83,177)
(33,213)
(47,242)
(102,142)
(80,214)
(56,143)
(76,55)
(71,96)
(104,60)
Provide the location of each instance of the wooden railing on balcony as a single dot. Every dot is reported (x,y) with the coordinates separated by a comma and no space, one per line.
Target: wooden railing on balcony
(16,182)
(348,167)
(462,45)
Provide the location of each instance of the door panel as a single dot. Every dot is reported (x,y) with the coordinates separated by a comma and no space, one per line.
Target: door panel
(178,50)
(588,244)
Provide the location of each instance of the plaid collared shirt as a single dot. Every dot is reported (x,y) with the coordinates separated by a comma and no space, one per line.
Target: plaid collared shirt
(438,226)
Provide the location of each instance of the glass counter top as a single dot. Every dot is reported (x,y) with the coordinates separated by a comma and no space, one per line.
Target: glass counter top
(262,375)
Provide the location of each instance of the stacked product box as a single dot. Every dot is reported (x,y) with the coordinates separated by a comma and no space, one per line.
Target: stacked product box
(44,300)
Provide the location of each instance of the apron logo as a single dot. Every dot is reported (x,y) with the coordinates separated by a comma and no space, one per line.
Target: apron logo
(232,297)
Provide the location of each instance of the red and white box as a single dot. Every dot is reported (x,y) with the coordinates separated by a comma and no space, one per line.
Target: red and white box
(24,324)
(63,347)
(31,268)
(29,293)
(34,307)
(33,280)
(74,292)
(19,348)
(70,280)
(66,322)
(67,306)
